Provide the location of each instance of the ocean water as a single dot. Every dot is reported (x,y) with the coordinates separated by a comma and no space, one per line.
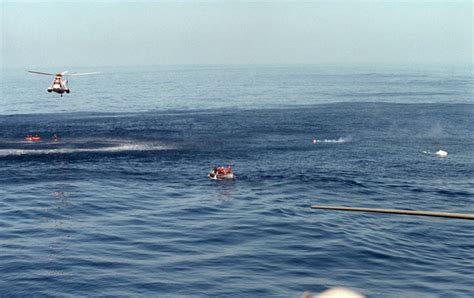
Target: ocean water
(122,206)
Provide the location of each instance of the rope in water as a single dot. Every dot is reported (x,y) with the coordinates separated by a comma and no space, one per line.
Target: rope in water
(397,211)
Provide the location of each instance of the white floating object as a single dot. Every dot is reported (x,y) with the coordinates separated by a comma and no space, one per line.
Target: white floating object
(315,141)
(441,153)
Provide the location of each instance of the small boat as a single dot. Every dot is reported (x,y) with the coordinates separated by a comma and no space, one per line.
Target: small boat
(32,138)
(219,173)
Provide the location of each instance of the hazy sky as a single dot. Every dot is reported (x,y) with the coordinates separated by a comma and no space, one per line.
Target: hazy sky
(60,33)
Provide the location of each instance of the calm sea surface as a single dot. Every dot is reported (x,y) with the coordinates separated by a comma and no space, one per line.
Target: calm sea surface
(122,206)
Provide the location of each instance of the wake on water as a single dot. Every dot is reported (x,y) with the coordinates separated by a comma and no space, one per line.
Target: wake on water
(340,140)
(79,146)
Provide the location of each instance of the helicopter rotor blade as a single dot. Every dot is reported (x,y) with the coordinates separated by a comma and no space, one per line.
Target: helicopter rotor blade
(64,72)
(82,74)
(43,73)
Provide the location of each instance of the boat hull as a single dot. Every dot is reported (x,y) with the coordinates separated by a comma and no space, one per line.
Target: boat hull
(32,139)
(228,176)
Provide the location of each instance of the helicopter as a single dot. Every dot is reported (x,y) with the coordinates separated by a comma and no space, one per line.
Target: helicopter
(59,85)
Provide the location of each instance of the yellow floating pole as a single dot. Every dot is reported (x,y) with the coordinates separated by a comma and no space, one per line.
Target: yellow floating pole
(398,211)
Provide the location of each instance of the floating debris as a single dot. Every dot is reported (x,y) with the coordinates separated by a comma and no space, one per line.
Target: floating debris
(441,153)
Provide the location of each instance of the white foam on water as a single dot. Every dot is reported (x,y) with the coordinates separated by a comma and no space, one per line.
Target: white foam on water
(114,148)
(340,140)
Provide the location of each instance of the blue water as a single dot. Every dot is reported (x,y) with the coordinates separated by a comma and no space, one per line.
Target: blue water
(122,206)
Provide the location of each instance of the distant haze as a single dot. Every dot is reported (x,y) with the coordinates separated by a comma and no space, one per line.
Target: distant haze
(48,34)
